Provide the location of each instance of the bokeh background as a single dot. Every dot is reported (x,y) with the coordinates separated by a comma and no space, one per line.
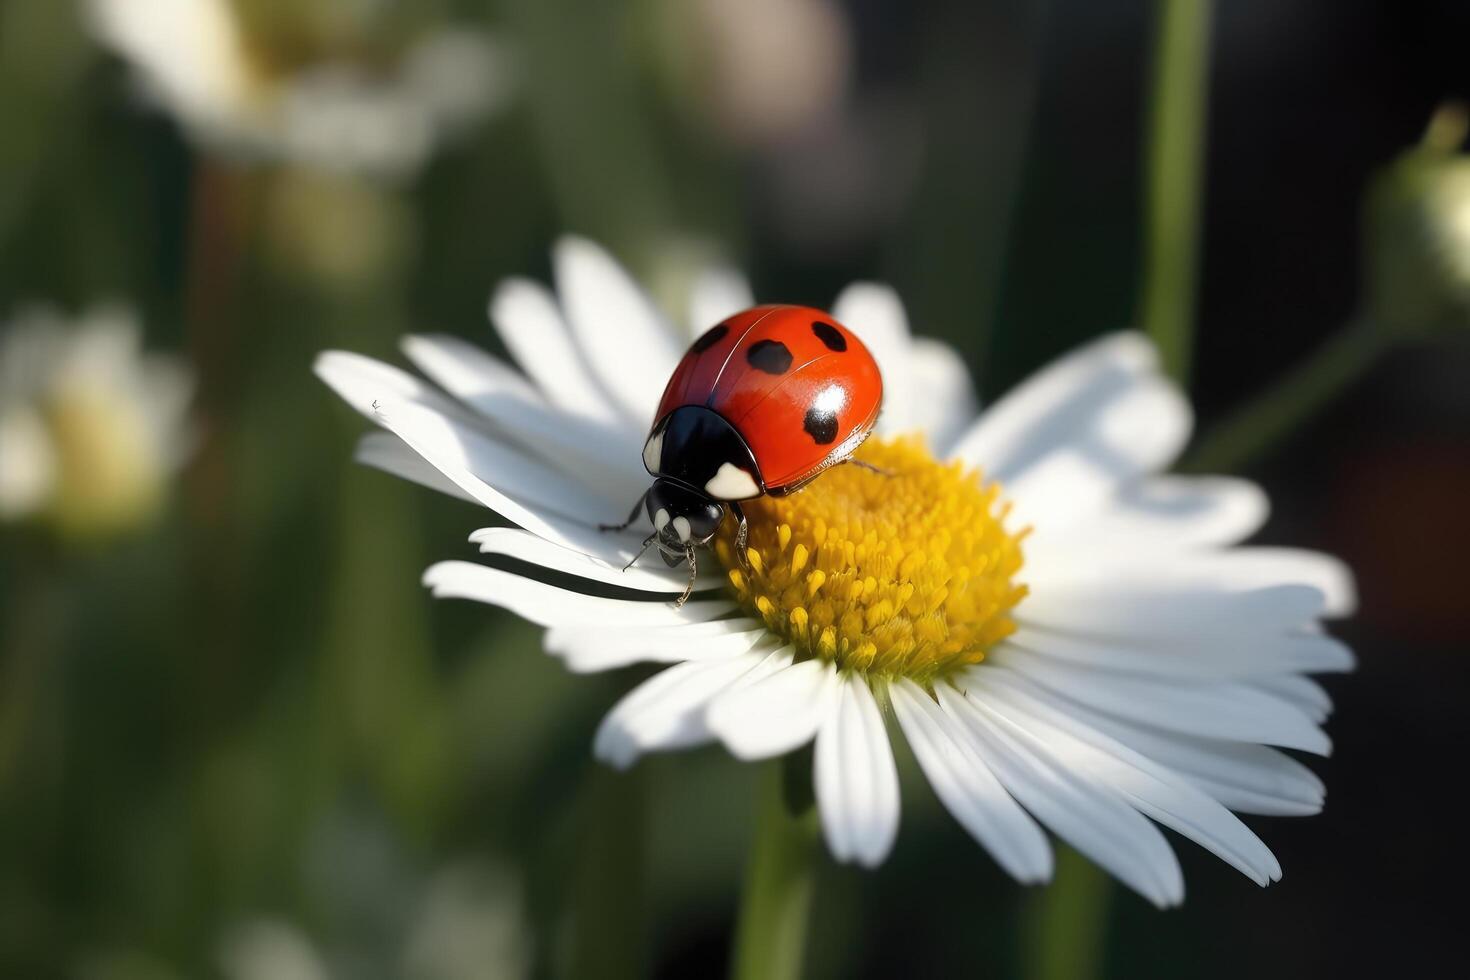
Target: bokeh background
(238,740)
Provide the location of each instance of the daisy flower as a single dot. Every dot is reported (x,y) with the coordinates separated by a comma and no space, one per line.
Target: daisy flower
(1064,636)
(331,110)
(91,427)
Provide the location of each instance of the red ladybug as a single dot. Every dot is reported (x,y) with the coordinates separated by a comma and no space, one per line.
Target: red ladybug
(762,403)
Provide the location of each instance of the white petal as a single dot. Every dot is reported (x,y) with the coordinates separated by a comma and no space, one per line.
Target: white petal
(1094,449)
(943,401)
(387,452)
(527,318)
(464,370)
(717,293)
(1095,822)
(365,384)
(667,710)
(1031,418)
(1303,692)
(547,605)
(1161,513)
(524,546)
(589,649)
(1205,657)
(1150,787)
(969,790)
(1245,777)
(627,343)
(1219,709)
(1183,612)
(776,714)
(457,449)
(855,779)
(1232,571)
(875,313)
(594,452)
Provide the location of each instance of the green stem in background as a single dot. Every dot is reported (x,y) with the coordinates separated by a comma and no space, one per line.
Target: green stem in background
(1065,923)
(609,927)
(31,626)
(776,901)
(606,172)
(1175,150)
(1291,401)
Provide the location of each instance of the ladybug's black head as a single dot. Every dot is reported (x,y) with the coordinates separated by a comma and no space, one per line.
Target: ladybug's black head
(682,518)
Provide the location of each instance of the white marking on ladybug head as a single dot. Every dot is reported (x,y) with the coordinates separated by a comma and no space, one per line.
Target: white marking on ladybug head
(681,525)
(653,452)
(730,482)
(660,519)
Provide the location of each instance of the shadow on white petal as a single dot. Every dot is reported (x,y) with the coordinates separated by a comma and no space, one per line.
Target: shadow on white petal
(625,340)
(387,452)
(855,778)
(667,710)
(1157,514)
(776,714)
(968,789)
(1097,823)
(1245,777)
(549,605)
(1210,709)
(1040,410)
(530,323)
(1080,460)
(645,576)
(1153,789)
(464,370)
(590,649)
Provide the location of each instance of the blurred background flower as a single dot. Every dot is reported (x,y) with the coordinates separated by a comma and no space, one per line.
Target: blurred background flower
(91,428)
(249,684)
(335,85)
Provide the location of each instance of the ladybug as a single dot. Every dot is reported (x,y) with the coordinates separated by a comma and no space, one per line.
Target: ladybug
(762,403)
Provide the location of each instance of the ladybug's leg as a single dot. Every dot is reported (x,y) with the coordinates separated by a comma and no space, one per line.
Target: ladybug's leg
(868,466)
(646,542)
(742,535)
(632,516)
(693,571)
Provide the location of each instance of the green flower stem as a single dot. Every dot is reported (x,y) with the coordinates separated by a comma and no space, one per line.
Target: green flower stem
(770,937)
(1066,922)
(609,921)
(1274,415)
(1175,150)
(607,174)
(31,627)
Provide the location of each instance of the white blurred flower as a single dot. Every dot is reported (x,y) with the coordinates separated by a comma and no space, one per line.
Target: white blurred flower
(90,427)
(469,926)
(267,949)
(466,922)
(195,62)
(1137,670)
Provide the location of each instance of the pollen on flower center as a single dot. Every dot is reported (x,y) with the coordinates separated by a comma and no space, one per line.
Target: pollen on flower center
(908,572)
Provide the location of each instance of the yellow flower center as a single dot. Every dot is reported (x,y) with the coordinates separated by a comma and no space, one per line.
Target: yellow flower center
(908,572)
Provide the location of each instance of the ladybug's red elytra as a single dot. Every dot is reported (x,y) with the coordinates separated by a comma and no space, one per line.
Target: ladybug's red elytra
(761,403)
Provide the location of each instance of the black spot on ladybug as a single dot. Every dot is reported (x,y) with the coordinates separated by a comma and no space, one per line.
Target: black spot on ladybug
(770,356)
(821,425)
(709,338)
(829,335)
